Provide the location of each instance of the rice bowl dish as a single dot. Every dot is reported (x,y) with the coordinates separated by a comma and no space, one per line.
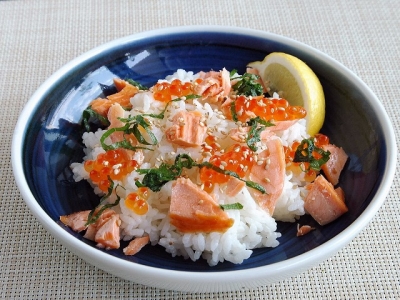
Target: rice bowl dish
(218,138)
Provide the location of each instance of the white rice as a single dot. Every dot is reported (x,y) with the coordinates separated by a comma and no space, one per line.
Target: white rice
(253,227)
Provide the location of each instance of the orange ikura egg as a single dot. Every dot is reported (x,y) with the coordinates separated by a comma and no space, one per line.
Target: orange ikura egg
(112,164)
(136,203)
(266,108)
(165,92)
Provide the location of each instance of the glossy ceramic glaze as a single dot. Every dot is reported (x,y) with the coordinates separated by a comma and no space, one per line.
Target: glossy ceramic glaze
(47,140)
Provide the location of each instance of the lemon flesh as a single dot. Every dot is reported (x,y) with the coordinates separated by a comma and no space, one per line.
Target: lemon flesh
(294,81)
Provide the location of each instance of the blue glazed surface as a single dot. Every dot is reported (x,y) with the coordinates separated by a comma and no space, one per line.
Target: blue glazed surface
(53,140)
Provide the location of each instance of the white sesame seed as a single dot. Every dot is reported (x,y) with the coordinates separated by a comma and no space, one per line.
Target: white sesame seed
(117,166)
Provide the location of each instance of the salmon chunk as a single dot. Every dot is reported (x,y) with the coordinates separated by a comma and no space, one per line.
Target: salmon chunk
(105,231)
(270,174)
(193,210)
(136,245)
(123,97)
(114,113)
(186,130)
(234,186)
(101,106)
(76,221)
(214,85)
(125,92)
(323,202)
(119,84)
(334,166)
(107,235)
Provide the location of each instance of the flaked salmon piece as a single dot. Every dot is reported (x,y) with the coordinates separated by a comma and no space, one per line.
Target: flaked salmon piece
(125,92)
(101,106)
(114,113)
(186,130)
(92,228)
(240,134)
(323,202)
(123,97)
(194,210)
(270,174)
(136,245)
(90,232)
(303,230)
(234,186)
(214,85)
(334,166)
(119,84)
(76,221)
(281,125)
(107,235)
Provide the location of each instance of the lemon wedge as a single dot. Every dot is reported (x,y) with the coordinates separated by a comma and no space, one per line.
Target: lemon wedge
(294,81)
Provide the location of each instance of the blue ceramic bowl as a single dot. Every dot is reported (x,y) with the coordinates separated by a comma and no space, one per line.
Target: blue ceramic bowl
(47,140)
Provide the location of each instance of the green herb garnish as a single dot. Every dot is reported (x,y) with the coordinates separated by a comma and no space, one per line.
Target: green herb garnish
(254,135)
(155,178)
(236,205)
(95,215)
(248,85)
(137,84)
(305,153)
(233,111)
(89,114)
(132,125)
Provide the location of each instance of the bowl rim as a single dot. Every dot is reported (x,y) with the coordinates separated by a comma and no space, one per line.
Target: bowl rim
(115,265)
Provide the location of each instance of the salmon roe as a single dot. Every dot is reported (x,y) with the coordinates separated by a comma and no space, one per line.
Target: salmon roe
(113,163)
(165,91)
(137,202)
(210,145)
(238,158)
(265,108)
(297,167)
